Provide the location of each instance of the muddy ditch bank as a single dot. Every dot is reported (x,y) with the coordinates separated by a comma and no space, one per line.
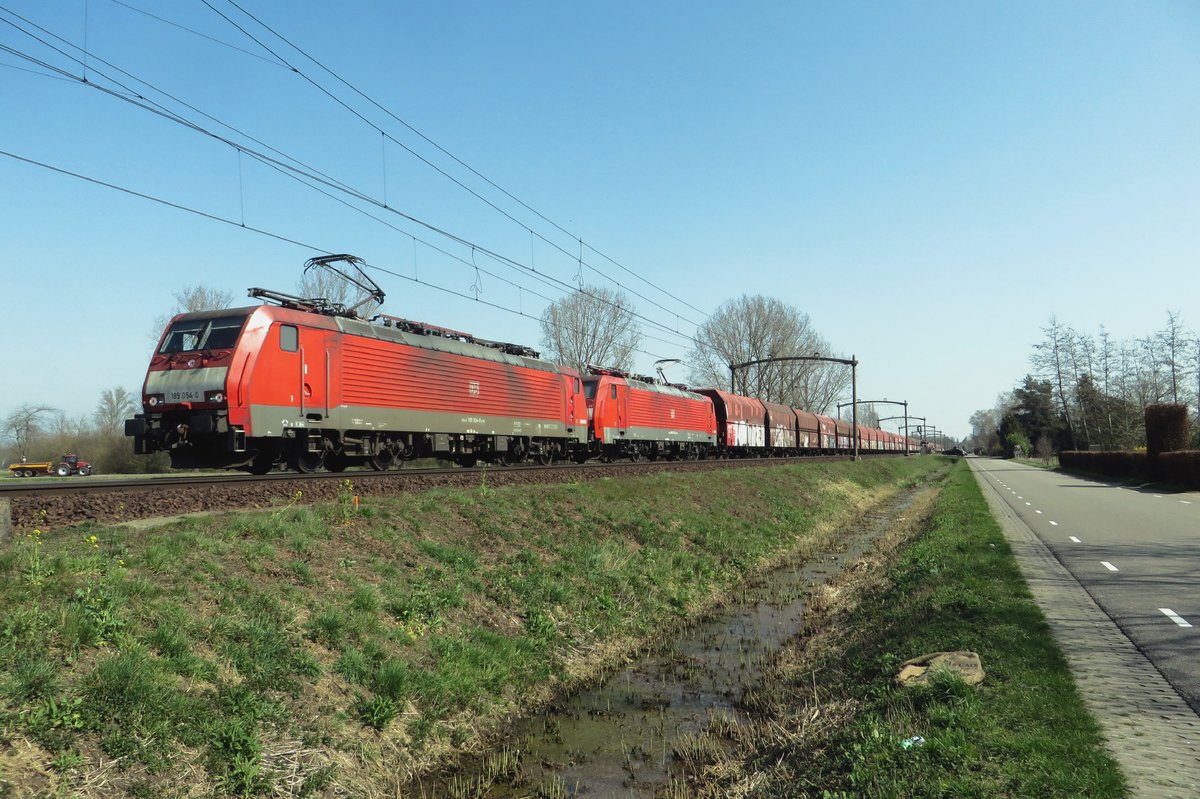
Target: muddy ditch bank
(637,733)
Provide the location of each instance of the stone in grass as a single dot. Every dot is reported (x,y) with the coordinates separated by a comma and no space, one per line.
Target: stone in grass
(918,671)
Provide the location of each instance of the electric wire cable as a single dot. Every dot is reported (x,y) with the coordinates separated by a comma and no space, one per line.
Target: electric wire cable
(267,233)
(139,100)
(458,160)
(198,33)
(426,161)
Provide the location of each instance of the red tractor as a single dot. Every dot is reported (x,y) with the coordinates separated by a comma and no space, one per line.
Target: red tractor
(69,465)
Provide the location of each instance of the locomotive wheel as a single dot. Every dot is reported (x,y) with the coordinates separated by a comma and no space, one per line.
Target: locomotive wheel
(382,460)
(261,464)
(467,461)
(544,458)
(635,455)
(307,462)
(336,463)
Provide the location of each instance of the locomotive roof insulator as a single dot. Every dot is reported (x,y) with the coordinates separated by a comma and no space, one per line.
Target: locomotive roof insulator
(604,371)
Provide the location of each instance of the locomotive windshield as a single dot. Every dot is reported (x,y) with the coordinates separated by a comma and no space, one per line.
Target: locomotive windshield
(187,335)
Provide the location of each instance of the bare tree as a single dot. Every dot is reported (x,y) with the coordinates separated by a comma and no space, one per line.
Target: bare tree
(985,425)
(202,298)
(868,416)
(753,328)
(25,424)
(1055,360)
(115,406)
(192,299)
(1172,349)
(593,325)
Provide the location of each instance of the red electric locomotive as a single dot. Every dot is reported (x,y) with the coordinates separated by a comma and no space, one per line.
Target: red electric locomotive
(308,384)
(633,416)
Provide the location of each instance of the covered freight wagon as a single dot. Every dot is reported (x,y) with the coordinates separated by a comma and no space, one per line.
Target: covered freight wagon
(808,430)
(741,422)
(828,428)
(781,428)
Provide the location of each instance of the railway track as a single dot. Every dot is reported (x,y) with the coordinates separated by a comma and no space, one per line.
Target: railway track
(31,505)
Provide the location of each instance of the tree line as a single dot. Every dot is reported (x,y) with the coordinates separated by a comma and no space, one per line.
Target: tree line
(1090,391)
(44,433)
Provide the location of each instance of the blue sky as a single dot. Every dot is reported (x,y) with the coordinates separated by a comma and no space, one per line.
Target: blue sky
(930,182)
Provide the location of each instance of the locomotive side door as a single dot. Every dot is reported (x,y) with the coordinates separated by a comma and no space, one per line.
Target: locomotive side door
(620,397)
(314,368)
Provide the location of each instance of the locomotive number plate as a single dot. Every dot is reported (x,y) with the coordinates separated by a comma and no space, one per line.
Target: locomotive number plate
(184,396)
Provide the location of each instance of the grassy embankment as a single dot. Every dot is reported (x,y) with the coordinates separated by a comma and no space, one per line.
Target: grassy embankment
(1041,463)
(831,722)
(304,648)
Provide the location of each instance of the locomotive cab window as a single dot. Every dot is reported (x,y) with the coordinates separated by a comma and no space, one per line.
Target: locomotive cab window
(613,392)
(590,387)
(188,335)
(289,338)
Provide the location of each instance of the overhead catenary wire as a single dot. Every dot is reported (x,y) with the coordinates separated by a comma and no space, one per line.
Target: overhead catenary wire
(269,234)
(295,169)
(437,168)
(546,280)
(195,32)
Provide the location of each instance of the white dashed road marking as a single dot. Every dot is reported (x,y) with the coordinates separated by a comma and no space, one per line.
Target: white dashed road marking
(1054,523)
(1186,502)
(1076,540)
(1037,512)
(1175,617)
(1158,496)
(1109,566)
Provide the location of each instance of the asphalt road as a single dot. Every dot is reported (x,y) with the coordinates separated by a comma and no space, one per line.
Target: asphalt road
(1137,552)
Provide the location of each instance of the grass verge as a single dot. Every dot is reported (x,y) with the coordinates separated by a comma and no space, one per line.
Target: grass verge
(342,648)
(833,723)
(1050,463)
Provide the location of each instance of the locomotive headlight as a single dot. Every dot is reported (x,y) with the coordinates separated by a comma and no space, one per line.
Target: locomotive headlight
(153,401)
(215,396)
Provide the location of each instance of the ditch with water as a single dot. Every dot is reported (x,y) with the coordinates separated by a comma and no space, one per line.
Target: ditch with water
(620,738)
